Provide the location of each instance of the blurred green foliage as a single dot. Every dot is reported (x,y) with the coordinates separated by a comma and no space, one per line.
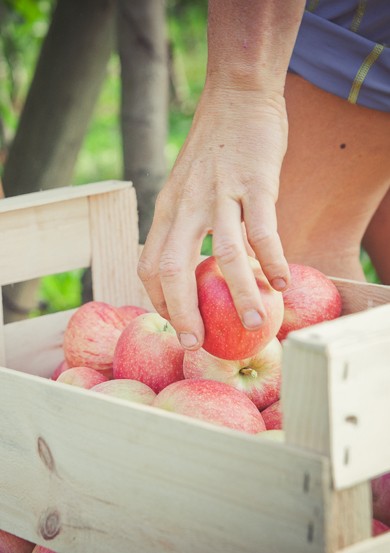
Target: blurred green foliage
(23,25)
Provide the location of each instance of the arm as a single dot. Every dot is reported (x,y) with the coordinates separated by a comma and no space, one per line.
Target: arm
(228,169)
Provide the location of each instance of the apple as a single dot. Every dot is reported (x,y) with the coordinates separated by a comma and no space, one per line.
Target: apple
(272,416)
(9,543)
(91,335)
(225,335)
(379,527)
(148,350)
(60,368)
(259,377)
(124,388)
(380,487)
(83,377)
(130,312)
(310,298)
(213,402)
(42,549)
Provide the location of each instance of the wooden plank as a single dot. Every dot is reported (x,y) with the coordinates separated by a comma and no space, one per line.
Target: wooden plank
(35,345)
(339,372)
(114,235)
(54,195)
(323,383)
(380,544)
(2,339)
(99,474)
(43,240)
(359,296)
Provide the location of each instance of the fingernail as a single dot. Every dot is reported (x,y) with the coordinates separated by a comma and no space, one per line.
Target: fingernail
(251,319)
(279,284)
(188,340)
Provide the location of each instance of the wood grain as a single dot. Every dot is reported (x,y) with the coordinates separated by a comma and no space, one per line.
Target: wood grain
(106,475)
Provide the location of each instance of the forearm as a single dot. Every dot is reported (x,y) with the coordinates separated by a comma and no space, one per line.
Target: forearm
(250,42)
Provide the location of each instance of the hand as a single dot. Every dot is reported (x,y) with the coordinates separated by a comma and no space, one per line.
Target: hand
(226,173)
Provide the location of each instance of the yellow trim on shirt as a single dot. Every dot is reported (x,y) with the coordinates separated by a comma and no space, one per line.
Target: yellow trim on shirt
(362,72)
(357,18)
(313,4)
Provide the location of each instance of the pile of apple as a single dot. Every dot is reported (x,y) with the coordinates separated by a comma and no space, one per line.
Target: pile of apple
(234,380)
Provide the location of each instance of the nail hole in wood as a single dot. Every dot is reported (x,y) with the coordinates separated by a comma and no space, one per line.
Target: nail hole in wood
(346,456)
(310,532)
(346,370)
(306,482)
(352,419)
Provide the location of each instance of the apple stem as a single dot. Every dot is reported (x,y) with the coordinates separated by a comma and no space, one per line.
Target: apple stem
(249,371)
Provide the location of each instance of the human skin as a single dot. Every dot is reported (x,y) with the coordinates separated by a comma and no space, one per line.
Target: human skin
(228,169)
(334,182)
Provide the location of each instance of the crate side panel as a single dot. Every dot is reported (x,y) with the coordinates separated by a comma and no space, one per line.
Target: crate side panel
(114,235)
(348,359)
(35,345)
(44,240)
(97,474)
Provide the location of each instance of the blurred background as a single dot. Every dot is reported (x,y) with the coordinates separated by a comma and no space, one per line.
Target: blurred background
(95,90)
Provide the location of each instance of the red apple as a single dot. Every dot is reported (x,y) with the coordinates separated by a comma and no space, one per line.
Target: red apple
(272,416)
(13,544)
(42,549)
(124,388)
(93,331)
(379,527)
(259,377)
(225,335)
(130,312)
(61,367)
(211,401)
(311,298)
(83,377)
(148,350)
(91,336)
(380,487)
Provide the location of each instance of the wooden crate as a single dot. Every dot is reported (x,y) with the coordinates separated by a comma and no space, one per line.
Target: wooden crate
(82,473)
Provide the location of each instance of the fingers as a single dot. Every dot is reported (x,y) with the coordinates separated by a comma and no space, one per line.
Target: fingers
(148,270)
(261,229)
(178,261)
(232,258)
(167,270)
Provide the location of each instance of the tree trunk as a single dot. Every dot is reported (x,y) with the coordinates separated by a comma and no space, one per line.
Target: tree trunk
(143,51)
(58,108)
(61,98)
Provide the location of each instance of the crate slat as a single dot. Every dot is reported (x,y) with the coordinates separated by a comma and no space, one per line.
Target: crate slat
(359,296)
(107,476)
(114,236)
(380,544)
(44,240)
(338,374)
(55,195)
(35,345)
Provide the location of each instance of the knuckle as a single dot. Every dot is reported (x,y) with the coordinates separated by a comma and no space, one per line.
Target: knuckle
(169,266)
(145,270)
(226,252)
(260,235)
